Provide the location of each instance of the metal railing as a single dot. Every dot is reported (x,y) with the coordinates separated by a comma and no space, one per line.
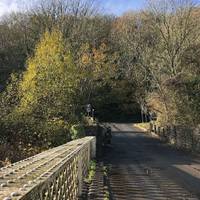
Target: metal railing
(56,174)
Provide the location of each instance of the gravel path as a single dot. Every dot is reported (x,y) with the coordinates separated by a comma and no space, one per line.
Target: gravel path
(143,168)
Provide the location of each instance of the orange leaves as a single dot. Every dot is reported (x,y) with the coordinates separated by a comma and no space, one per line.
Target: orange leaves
(100,54)
(93,59)
(85,59)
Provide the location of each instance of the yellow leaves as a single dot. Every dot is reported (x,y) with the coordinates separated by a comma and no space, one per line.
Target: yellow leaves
(57,121)
(51,75)
(85,55)
(85,59)
(85,48)
(99,56)
(29,76)
(50,48)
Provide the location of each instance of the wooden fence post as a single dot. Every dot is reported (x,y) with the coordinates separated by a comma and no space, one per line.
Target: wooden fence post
(155,129)
(175,135)
(151,127)
(163,133)
(159,131)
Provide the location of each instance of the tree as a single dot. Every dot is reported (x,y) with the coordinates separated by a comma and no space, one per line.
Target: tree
(43,107)
(177,30)
(96,67)
(49,83)
(133,37)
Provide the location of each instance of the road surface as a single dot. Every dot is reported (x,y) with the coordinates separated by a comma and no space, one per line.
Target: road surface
(141,167)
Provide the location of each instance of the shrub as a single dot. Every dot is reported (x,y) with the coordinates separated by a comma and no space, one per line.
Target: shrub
(57,132)
(77,131)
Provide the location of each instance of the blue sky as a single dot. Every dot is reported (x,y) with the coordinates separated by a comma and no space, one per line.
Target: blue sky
(116,7)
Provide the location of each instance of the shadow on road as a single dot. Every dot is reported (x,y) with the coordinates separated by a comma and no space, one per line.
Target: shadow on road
(143,167)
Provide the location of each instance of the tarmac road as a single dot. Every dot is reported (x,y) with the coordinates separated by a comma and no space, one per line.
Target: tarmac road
(141,167)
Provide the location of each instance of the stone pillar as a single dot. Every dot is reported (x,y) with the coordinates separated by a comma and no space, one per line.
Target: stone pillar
(80,175)
(93,148)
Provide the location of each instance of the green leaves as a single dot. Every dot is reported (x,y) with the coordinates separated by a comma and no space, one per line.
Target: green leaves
(77,131)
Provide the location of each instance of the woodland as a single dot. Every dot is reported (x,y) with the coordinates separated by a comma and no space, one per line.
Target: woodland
(58,56)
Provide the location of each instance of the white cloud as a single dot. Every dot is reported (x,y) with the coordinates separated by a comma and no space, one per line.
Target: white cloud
(7,6)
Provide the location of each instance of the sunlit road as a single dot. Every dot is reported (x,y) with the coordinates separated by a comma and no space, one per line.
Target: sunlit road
(142,167)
